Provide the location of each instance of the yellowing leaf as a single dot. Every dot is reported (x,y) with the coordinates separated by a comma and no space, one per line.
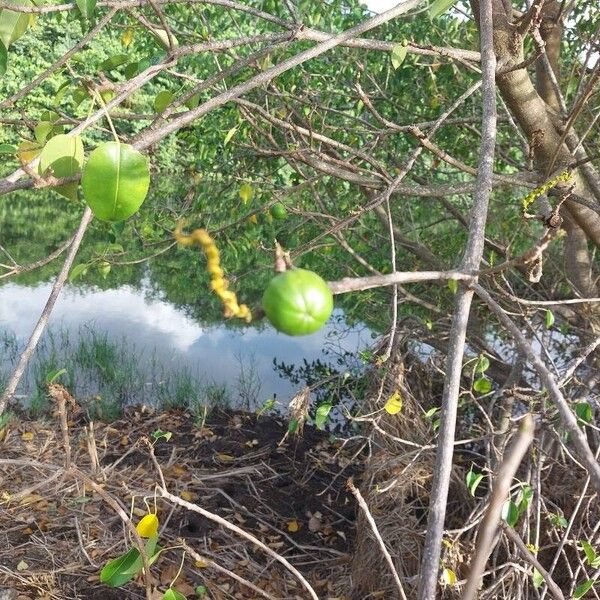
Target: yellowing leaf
(22,566)
(225,457)
(252,219)
(449,577)
(189,496)
(148,526)
(394,403)
(246,193)
(229,135)
(27,151)
(127,37)
(201,564)
(27,436)
(293,526)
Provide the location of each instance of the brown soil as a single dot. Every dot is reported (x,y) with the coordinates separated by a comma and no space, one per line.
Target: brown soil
(231,465)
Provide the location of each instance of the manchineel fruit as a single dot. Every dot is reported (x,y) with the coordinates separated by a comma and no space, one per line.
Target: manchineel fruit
(297,302)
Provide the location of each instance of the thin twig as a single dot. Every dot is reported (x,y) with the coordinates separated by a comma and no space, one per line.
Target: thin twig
(500,491)
(386,554)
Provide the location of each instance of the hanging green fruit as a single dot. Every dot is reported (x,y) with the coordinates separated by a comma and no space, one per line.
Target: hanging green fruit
(115,181)
(278,211)
(297,302)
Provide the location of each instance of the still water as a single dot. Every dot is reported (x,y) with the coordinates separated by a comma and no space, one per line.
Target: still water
(156,348)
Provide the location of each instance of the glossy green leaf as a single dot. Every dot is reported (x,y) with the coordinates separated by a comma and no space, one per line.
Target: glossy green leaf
(321,415)
(549,319)
(3,59)
(64,155)
(13,24)
(439,7)
(123,569)
(42,130)
(8,149)
(114,61)
(482,385)
(473,479)
(115,181)
(584,412)
(193,101)
(398,55)
(78,271)
(86,8)
(591,557)
(583,588)
(537,578)
(482,365)
(293,426)
(510,513)
(172,594)
(162,100)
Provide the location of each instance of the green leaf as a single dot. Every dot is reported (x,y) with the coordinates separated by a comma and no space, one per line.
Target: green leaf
(3,59)
(172,594)
(64,155)
(42,130)
(112,62)
(590,554)
(549,319)
(162,100)
(119,571)
(86,8)
(13,24)
(473,479)
(453,285)
(510,513)
(115,181)
(322,413)
(538,580)
(193,101)
(583,410)
(229,135)
(482,365)
(8,149)
(201,591)
(582,589)
(293,426)
(160,434)
(52,376)
(439,7)
(524,498)
(482,385)
(558,520)
(78,271)
(399,54)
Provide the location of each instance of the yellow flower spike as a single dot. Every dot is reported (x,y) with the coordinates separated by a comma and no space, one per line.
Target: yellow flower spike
(148,526)
(200,237)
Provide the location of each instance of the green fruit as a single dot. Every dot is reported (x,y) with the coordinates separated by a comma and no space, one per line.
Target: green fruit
(297,302)
(115,181)
(278,211)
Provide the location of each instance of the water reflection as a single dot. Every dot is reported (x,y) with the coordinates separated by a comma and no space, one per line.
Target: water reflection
(163,339)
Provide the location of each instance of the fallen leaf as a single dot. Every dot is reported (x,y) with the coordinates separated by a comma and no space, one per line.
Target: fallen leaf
(189,496)
(22,566)
(201,564)
(293,526)
(27,436)
(225,457)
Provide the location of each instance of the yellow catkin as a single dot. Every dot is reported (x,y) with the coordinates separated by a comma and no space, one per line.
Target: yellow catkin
(218,283)
(531,197)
